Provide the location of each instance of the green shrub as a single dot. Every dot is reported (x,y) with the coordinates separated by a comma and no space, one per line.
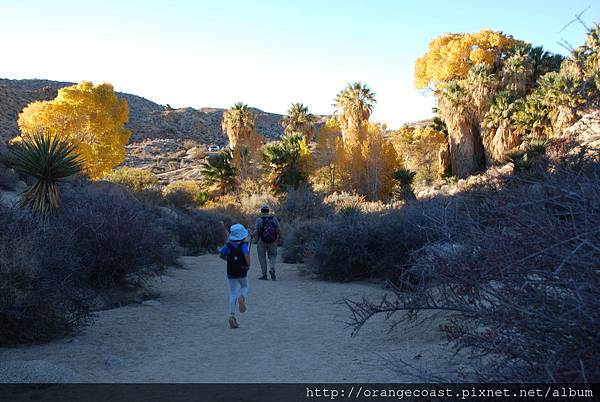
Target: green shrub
(135,178)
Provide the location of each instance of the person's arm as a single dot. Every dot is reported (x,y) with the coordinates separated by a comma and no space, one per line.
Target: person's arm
(255,235)
(223,252)
(279,235)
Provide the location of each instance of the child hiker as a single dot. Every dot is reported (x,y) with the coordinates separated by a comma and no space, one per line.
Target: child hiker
(237,254)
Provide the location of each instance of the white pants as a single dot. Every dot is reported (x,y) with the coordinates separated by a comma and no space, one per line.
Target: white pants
(233,291)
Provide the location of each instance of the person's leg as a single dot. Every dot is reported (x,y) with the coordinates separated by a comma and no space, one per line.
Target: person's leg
(244,286)
(262,256)
(233,294)
(243,297)
(272,252)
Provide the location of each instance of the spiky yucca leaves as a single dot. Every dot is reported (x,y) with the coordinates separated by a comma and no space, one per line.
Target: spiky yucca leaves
(404,189)
(531,160)
(48,159)
(354,107)
(299,120)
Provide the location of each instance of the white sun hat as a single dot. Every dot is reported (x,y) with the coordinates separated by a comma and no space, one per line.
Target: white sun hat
(237,232)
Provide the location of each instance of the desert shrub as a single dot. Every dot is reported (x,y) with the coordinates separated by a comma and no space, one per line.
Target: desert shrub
(197,153)
(229,206)
(303,204)
(151,196)
(184,194)
(8,177)
(198,231)
(521,287)
(366,245)
(135,178)
(120,242)
(345,203)
(189,143)
(42,295)
(531,161)
(250,204)
(302,239)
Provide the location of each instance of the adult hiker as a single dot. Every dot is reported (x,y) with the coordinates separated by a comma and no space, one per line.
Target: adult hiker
(237,254)
(267,235)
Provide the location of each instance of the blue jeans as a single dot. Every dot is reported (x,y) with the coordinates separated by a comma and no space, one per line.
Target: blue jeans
(233,291)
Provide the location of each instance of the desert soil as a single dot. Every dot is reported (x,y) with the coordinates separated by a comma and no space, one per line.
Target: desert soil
(294,331)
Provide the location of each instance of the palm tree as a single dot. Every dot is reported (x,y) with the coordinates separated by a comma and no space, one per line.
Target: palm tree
(287,160)
(218,170)
(238,124)
(499,133)
(48,159)
(458,111)
(299,120)
(354,106)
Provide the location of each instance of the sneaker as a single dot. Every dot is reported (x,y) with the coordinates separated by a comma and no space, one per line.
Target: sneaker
(233,322)
(273,277)
(263,278)
(242,304)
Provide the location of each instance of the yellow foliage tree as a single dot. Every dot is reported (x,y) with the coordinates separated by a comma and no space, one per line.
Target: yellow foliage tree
(367,162)
(450,56)
(329,141)
(419,148)
(89,116)
(246,155)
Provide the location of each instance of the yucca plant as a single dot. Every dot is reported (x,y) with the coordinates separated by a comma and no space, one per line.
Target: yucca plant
(48,159)
(530,162)
(404,190)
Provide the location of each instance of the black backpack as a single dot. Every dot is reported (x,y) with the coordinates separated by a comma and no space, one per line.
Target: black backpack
(236,261)
(268,230)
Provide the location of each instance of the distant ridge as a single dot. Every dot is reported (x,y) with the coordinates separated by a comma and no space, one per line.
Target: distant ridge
(147,119)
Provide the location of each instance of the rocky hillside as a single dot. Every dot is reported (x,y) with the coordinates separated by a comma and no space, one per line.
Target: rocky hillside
(147,120)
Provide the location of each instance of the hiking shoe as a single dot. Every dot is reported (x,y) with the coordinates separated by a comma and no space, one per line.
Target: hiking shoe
(263,278)
(273,277)
(233,322)
(242,304)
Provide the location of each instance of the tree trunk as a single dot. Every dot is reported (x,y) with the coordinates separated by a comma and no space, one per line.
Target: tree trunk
(466,150)
(444,167)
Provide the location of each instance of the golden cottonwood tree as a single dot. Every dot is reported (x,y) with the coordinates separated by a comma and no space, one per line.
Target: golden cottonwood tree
(366,163)
(89,116)
(419,148)
(329,142)
(450,56)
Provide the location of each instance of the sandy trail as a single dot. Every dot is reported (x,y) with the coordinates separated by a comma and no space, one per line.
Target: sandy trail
(293,331)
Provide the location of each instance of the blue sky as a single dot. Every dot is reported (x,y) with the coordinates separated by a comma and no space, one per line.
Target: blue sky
(265,53)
